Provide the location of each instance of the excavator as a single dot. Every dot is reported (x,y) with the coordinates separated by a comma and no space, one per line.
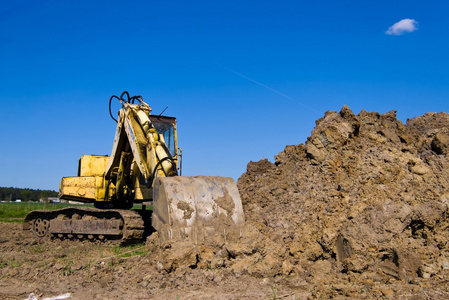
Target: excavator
(144,170)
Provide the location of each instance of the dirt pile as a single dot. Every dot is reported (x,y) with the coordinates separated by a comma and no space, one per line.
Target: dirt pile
(365,195)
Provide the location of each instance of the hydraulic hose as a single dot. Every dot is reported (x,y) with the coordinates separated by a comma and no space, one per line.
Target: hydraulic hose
(150,182)
(123,100)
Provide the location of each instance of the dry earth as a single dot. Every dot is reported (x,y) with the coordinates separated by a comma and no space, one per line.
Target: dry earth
(90,270)
(358,211)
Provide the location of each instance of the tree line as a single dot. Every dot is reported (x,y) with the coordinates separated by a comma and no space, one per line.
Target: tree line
(13,194)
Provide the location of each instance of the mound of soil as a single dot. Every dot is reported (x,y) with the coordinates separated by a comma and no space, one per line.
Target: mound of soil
(364,201)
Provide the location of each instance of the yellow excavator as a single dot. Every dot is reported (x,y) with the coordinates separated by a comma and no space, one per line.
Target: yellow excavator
(143,168)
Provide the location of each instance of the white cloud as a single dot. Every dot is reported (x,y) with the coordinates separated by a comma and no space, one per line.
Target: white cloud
(403,26)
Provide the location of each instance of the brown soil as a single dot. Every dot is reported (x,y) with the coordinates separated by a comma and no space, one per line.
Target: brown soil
(358,211)
(88,270)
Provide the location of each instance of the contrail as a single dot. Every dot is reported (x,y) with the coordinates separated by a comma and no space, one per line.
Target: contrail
(267,87)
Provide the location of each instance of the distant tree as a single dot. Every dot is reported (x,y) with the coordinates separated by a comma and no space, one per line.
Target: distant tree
(25,194)
(44,195)
(12,194)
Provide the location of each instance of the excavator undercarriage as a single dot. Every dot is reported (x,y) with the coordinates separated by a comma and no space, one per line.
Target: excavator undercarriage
(127,226)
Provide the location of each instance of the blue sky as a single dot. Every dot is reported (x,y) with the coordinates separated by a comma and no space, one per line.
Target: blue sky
(244,78)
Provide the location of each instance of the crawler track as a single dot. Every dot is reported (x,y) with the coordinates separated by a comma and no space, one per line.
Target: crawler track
(127,226)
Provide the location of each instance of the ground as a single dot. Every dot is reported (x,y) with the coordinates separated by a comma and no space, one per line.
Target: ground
(87,270)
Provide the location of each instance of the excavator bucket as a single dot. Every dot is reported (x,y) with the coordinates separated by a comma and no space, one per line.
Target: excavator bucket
(199,209)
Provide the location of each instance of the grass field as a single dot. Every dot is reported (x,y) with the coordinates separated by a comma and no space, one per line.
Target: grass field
(16,212)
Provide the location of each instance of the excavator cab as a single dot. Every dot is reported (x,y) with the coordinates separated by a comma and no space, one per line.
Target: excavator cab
(166,126)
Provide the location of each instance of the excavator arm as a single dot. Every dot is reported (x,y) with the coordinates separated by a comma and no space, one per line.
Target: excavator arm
(148,147)
(140,154)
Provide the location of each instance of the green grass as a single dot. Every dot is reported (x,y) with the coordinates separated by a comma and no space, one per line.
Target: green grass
(16,212)
(130,250)
(138,206)
(11,262)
